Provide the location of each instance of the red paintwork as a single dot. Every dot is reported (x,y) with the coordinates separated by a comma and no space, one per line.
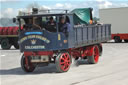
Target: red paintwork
(50,53)
(87,51)
(122,36)
(65,61)
(78,52)
(5,30)
(10,30)
(26,62)
(75,52)
(15,30)
(22,28)
(26,54)
(1,30)
(96,53)
(82,52)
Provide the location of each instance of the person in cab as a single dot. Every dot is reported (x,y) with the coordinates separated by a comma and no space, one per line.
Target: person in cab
(64,26)
(51,25)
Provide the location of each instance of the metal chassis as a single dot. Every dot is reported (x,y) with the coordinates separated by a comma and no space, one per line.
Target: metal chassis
(82,52)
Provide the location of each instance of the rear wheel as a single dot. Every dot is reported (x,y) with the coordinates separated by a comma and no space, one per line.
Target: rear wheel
(125,40)
(117,40)
(63,62)
(100,49)
(5,44)
(26,65)
(95,55)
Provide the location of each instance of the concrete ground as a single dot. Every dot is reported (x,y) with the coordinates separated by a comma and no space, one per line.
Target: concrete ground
(112,69)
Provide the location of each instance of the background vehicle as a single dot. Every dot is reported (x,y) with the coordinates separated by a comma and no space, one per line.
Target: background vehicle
(118,18)
(41,46)
(9,37)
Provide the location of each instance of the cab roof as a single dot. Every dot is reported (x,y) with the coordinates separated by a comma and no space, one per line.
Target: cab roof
(40,15)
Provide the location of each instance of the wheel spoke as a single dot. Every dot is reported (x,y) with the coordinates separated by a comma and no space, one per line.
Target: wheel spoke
(63,66)
(62,63)
(67,66)
(68,63)
(62,59)
(65,56)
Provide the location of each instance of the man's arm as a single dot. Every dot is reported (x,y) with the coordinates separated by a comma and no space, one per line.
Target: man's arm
(68,27)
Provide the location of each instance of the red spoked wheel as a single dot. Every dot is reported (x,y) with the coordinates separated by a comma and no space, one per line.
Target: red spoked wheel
(26,65)
(63,62)
(95,55)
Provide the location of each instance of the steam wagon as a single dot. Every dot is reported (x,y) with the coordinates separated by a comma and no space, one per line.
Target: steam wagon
(42,43)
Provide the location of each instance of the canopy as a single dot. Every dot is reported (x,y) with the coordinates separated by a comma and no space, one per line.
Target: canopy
(82,15)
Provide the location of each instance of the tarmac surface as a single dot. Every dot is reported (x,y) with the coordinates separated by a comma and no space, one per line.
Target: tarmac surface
(112,69)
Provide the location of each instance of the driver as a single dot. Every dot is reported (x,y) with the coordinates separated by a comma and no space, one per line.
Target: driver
(64,26)
(28,24)
(51,21)
(51,25)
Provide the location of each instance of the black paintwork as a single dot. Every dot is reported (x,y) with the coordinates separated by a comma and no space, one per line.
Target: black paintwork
(53,44)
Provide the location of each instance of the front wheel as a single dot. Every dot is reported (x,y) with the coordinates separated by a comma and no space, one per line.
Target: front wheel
(95,55)
(26,65)
(63,62)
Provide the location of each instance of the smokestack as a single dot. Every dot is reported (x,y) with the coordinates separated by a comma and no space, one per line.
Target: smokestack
(34,10)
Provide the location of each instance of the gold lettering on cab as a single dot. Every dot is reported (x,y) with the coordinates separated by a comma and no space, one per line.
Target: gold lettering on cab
(36,37)
(35,47)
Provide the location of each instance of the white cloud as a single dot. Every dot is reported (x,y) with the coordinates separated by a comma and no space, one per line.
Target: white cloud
(108,4)
(45,7)
(59,5)
(124,4)
(99,0)
(68,6)
(9,13)
(1,16)
(104,3)
(8,0)
(9,10)
(63,6)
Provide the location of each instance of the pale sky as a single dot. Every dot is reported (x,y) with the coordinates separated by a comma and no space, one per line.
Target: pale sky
(10,8)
